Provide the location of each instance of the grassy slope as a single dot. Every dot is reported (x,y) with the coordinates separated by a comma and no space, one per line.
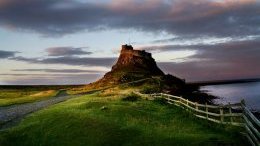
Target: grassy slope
(81,121)
(18,96)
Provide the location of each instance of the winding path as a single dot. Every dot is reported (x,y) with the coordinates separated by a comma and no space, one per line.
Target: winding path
(11,115)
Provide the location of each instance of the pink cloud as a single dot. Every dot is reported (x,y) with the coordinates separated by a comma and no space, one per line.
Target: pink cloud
(186,10)
(134,6)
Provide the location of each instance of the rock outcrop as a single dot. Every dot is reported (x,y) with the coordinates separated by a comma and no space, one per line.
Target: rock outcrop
(137,61)
(133,65)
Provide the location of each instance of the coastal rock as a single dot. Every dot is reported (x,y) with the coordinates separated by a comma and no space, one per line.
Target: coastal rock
(137,61)
(133,65)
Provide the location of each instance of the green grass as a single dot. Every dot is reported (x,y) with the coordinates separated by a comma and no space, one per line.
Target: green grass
(82,121)
(18,96)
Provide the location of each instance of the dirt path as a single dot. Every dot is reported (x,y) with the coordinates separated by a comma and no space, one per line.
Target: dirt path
(11,115)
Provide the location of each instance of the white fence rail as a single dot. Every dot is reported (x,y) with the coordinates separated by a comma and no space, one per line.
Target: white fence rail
(234,114)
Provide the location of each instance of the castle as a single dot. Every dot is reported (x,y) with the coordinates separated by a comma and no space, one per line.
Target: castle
(128,49)
(133,65)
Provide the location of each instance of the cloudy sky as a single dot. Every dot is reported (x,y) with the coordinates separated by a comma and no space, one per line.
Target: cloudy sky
(77,41)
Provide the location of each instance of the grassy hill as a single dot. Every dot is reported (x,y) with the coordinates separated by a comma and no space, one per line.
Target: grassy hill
(111,117)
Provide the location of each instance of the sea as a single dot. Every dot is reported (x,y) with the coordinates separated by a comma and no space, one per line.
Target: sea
(234,93)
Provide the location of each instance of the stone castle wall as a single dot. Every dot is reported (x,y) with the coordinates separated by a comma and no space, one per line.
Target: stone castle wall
(128,49)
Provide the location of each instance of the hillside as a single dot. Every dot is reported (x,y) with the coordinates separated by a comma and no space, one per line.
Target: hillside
(132,66)
(103,118)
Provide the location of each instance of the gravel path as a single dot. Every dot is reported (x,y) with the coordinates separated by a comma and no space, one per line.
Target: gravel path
(11,115)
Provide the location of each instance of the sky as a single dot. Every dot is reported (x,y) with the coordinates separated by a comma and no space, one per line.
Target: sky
(78,41)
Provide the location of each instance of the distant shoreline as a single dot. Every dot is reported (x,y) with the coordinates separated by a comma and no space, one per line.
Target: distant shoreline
(222,82)
(198,83)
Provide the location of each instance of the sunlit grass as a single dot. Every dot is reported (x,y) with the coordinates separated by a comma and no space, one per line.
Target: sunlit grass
(84,121)
(10,97)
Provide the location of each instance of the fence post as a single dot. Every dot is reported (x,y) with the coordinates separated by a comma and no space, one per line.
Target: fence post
(196,106)
(242,105)
(207,110)
(243,102)
(230,112)
(187,101)
(221,115)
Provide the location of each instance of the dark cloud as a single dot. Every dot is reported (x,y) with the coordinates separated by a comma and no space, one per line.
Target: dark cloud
(179,17)
(201,71)
(51,17)
(7,54)
(66,51)
(228,60)
(214,47)
(58,70)
(82,61)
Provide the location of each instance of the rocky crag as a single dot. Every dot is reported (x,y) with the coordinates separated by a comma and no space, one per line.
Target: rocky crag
(137,61)
(133,65)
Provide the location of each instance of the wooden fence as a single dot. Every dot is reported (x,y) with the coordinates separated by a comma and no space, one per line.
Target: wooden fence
(234,114)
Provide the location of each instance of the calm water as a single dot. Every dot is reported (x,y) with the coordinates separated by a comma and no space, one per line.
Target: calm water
(234,93)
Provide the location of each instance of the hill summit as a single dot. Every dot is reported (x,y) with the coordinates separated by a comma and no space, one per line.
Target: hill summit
(138,61)
(133,65)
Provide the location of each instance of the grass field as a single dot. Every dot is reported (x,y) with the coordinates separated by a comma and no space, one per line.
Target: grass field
(18,96)
(106,119)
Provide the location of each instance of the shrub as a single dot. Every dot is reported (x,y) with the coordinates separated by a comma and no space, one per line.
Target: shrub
(131,97)
(161,101)
(150,89)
